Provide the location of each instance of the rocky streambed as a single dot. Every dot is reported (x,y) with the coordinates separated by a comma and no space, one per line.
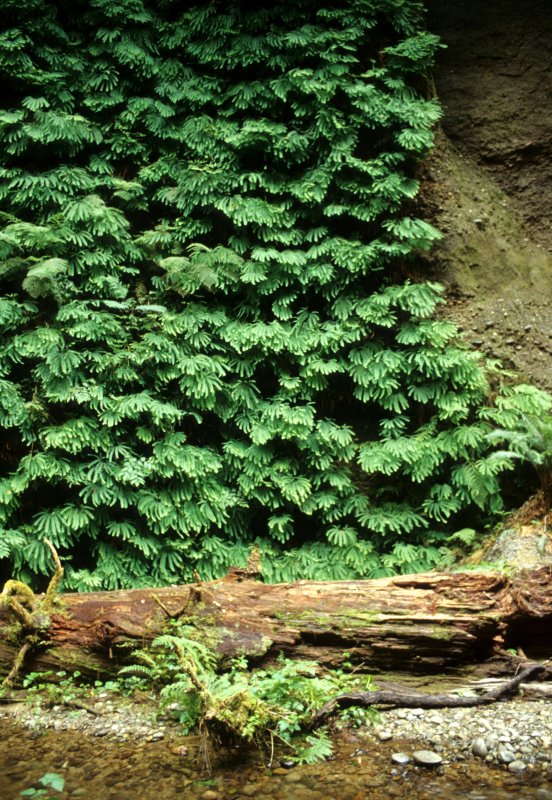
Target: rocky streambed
(120,750)
(515,735)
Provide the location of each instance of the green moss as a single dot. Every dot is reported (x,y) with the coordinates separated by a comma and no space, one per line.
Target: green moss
(445,633)
(336,619)
(358,618)
(78,660)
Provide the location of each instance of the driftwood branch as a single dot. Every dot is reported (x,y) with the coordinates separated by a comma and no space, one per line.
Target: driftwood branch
(419,700)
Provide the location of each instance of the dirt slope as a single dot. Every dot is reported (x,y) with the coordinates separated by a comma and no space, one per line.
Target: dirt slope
(488,184)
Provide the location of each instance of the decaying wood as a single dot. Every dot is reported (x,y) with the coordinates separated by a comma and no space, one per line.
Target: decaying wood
(538,690)
(419,700)
(426,623)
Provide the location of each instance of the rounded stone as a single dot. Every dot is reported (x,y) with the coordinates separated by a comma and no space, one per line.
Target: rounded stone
(427,758)
(491,741)
(400,758)
(251,789)
(517,766)
(505,755)
(384,736)
(479,748)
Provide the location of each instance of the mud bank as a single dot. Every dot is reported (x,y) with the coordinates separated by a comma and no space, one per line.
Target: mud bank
(488,183)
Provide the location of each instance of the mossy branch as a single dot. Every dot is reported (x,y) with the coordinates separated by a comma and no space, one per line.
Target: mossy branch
(32,613)
(55,581)
(17,665)
(20,600)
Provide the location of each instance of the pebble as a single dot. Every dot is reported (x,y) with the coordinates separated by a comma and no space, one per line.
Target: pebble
(250,789)
(479,747)
(519,731)
(427,758)
(505,755)
(210,794)
(517,735)
(517,766)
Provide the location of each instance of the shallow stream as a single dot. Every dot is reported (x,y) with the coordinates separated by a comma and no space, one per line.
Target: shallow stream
(103,769)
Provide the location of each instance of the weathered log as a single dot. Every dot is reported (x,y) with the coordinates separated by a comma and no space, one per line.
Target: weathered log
(425,623)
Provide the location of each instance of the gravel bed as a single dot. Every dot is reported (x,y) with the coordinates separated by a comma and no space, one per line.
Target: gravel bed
(516,735)
(118,719)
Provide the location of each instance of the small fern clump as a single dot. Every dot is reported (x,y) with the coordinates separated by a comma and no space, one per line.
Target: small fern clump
(530,441)
(238,706)
(206,334)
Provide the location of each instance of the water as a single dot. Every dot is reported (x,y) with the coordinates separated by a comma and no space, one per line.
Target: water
(172,769)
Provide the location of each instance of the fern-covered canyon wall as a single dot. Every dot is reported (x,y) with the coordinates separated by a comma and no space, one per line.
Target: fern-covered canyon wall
(488,184)
(217,324)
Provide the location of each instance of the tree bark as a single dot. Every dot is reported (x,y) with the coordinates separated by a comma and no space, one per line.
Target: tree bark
(425,623)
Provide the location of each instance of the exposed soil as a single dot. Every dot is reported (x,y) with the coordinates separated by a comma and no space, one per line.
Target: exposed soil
(488,183)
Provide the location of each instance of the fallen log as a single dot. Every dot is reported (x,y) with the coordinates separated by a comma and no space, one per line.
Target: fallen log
(424,623)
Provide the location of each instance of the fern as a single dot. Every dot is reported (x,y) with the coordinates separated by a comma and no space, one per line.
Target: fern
(238,705)
(530,441)
(205,339)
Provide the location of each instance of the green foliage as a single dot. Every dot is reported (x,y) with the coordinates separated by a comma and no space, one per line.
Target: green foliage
(51,688)
(162,661)
(529,440)
(206,339)
(50,780)
(256,706)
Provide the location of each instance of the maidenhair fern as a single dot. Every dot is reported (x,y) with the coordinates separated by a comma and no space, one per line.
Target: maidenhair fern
(206,338)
